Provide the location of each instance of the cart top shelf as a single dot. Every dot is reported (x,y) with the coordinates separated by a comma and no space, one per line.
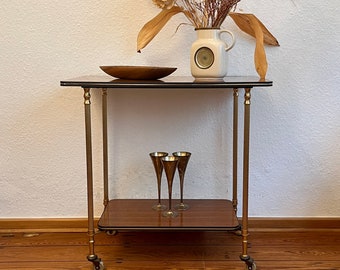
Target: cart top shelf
(171,82)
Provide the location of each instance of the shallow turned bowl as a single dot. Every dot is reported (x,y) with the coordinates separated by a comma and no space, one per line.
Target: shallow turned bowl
(138,72)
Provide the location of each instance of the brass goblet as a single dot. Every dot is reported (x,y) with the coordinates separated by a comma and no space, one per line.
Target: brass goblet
(182,165)
(157,163)
(170,165)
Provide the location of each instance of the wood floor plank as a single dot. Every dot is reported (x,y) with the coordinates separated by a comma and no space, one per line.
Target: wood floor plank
(172,238)
(133,238)
(169,265)
(178,253)
(47,266)
(276,264)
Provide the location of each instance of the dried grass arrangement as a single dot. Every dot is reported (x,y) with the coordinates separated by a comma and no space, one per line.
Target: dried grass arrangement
(210,14)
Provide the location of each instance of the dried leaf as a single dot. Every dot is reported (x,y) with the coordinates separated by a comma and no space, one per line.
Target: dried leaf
(152,28)
(260,58)
(254,27)
(243,21)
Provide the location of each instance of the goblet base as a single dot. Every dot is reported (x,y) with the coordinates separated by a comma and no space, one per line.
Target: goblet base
(170,214)
(159,207)
(181,207)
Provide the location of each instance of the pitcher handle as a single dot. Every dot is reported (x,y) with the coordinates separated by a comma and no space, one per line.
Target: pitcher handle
(228,47)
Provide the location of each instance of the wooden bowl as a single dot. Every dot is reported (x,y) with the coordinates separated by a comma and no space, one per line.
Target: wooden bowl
(138,72)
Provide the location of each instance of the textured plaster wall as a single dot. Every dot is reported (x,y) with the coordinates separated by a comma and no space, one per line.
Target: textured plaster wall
(295,152)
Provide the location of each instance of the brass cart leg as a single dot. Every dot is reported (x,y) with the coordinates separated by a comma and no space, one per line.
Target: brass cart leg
(235,148)
(105,153)
(92,257)
(250,265)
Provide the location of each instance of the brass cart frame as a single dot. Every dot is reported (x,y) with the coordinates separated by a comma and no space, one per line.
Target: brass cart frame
(108,224)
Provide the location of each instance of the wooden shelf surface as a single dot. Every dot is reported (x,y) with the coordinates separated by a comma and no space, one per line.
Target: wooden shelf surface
(137,214)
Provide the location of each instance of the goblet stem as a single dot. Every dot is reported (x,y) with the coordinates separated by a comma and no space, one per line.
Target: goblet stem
(182,165)
(170,165)
(181,182)
(157,162)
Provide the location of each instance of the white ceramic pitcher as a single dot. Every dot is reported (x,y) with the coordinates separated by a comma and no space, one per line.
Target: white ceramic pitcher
(209,54)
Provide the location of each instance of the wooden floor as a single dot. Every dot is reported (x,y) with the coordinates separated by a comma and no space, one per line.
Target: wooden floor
(172,250)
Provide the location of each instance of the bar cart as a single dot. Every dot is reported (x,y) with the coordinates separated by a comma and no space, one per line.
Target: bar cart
(214,214)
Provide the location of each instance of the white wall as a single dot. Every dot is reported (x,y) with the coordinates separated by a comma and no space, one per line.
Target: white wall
(295,152)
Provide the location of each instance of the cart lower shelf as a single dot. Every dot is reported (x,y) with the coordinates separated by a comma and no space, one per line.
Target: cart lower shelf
(137,214)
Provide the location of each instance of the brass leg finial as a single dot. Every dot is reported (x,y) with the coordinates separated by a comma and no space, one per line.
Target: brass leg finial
(87,96)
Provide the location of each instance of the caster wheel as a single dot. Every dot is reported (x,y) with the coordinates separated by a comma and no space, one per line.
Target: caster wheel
(111,233)
(238,233)
(99,267)
(250,267)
